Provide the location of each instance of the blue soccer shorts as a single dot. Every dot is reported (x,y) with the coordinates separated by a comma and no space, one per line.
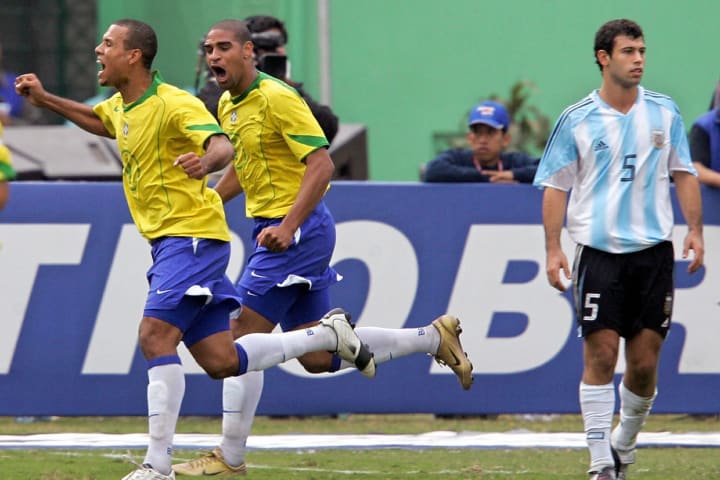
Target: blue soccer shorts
(290,288)
(189,288)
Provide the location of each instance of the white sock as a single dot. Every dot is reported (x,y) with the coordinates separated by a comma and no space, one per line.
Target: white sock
(634,409)
(165,392)
(389,343)
(265,350)
(597,403)
(241,396)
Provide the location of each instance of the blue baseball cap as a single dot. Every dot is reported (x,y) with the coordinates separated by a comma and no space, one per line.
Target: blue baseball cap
(489,113)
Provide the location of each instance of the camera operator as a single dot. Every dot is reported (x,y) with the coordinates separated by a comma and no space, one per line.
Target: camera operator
(270,37)
(270,55)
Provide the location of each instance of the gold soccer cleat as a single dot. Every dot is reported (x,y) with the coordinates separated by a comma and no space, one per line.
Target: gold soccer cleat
(212,464)
(450,352)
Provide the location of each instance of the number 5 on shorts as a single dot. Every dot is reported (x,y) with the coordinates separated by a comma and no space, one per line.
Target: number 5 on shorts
(592,306)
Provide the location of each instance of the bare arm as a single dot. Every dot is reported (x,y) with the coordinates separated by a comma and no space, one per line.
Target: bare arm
(29,86)
(317,177)
(228,186)
(554,204)
(687,188)
(4,194)
(218,153)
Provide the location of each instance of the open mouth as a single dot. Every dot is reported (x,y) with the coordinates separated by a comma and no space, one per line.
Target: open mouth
(220,73)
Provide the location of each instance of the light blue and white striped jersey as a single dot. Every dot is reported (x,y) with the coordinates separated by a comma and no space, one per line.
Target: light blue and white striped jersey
(618,169)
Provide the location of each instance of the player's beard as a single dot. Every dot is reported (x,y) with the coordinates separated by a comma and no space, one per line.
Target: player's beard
(625,81)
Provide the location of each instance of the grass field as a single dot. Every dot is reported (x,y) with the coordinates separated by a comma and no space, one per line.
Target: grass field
(395,464)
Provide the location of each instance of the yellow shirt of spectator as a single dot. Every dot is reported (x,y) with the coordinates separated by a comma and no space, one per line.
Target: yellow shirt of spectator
(273,130)
(151,133)
(6,169)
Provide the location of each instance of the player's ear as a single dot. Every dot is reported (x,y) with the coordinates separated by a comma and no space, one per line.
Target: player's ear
(603,57)
(248,49)
(134,56)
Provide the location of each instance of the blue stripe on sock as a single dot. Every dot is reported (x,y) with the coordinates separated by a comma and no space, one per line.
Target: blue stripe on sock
(164,360)
(335,365)
(242,359)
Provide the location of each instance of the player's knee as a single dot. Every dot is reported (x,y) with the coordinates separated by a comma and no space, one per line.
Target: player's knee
(218,370)
(602,361)
(151,343)
(316,362)
(643,373)
(606,364)
(157,338)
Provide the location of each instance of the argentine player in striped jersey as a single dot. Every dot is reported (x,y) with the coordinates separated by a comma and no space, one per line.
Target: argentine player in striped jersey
(284,169)
(168,142)
(616,152)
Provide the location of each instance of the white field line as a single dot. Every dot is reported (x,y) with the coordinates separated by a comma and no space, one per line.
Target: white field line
(440,439)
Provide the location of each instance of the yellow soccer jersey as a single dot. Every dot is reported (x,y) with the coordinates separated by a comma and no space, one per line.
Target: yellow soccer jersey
(6,170)
(273,130)
(151,133)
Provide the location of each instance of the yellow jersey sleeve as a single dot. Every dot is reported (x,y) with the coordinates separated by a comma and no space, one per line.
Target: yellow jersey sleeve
(104,110)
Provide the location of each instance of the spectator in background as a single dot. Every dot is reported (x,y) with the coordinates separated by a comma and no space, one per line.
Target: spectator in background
(11,104)
(270,38)
(705,147)
(485,160)
(6,171)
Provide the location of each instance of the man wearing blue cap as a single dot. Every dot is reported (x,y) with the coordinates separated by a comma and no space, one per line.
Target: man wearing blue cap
(485,160)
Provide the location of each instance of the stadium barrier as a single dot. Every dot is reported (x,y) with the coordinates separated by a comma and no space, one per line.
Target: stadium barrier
(72,290)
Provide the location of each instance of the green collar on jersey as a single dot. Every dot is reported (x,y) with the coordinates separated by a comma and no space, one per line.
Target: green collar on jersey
(152,90)
(256,84)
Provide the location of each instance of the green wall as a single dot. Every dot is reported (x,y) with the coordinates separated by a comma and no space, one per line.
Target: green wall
(409,68)
(180,25)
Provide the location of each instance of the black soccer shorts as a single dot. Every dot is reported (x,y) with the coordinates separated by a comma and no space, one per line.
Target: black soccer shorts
(624,292)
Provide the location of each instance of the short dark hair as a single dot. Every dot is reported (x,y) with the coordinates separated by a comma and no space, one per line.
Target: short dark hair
(263,23)
(605,36)
(140,36)
(238,27)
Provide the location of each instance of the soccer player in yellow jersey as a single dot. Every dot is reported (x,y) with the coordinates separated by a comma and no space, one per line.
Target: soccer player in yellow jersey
(168,142)
(7,172)
(283,167)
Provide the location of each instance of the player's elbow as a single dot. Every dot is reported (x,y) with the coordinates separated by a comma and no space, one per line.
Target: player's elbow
(226,151)
(320,163)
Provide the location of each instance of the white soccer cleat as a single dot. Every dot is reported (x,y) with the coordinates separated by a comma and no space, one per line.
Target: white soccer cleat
(146,472)
(349,346)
